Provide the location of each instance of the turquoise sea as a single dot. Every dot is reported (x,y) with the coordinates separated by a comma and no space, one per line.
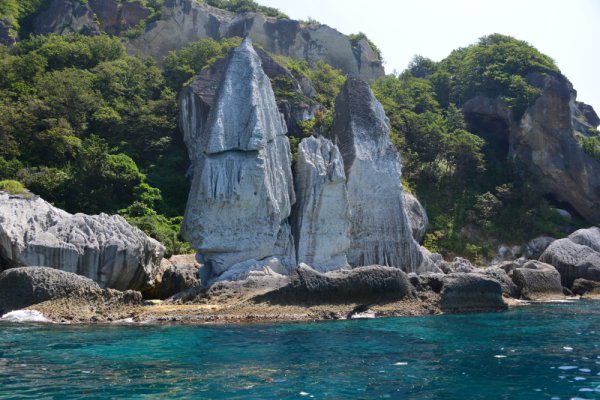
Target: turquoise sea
(543,351)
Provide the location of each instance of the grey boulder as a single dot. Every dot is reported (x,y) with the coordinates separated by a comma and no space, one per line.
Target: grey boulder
(537,280)
(102,247)
(470,293)
(573,261)
(417,216)
(27,286)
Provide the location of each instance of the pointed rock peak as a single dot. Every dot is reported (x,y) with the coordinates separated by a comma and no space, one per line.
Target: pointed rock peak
(245,116)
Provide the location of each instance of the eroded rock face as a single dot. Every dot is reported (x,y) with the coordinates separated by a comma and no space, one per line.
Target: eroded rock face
(417,216)
(179,273)
(380,231)
(26,286)
(545,141)
(184,21)
(242,190)
(102,247)
(320,221)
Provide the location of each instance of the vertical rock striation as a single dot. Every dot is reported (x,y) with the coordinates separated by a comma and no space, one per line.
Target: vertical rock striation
(242,191)
(320,220)
(380,231)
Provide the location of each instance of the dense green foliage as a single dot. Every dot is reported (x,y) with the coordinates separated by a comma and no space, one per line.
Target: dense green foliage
(239,6)
(181,66)
(473,194)
(357,37)
(15,11)
(91,129)
(12,186)
(591,144)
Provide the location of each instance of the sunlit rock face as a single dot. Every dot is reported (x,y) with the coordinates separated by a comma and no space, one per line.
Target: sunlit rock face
(242,190)
(380,231)
(321,219)
(102,247)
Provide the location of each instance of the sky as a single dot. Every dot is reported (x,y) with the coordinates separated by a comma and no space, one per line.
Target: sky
(566,30)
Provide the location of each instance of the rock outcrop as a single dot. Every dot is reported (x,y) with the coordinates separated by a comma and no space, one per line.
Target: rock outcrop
(380,231)
(371,284)
(470,293)
(537,280)
(242,190)
(545,140)
(574,260)
(26,286)
(584,287)
(417,216)
(196,100)
(321,219)
(509,289)
(184,21)
(102,247)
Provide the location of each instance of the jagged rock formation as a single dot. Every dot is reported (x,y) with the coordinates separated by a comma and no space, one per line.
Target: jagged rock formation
(176,274)
(417,216)
(102,247)
(320,222)
(576,256)
(242,192)
(183,21)
(380,231)
(26,286)
(196,100)
(545,140)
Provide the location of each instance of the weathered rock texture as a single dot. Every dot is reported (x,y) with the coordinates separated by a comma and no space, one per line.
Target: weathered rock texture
(242,191)
(184,21)
(196,100)
(537,280)
(417,216)
(371,283)
(380,231)
(574,260)
(470,293)
(26,286)
(544,139)
(321,219)
(509,289)
(176,274)
(102,247)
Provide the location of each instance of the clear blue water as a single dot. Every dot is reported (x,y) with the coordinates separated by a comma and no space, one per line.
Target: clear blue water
(548,351)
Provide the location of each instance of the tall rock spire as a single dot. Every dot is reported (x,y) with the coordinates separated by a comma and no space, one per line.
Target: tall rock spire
(380,230)
(242,190)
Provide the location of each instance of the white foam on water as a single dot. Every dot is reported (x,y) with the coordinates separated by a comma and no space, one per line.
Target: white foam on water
(567,367)
(567,348)
(401,363)
(24,316)
(302,393)
(367,314)
(585,370)
(499,356)
(579,378)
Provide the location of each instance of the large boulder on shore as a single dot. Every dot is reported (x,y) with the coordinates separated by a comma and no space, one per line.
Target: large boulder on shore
(177,274)
(380,231)
(242,190)
(537,280)
(320,217)
(469,292)
(25,286)
(362,284)
(573,260)
(104,248)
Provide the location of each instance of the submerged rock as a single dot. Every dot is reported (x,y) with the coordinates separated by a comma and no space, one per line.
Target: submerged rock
(380,231)
(537,280)
(320,220)
(242,191)
(27,286)
(470,293)
(372,283)
(102,247)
